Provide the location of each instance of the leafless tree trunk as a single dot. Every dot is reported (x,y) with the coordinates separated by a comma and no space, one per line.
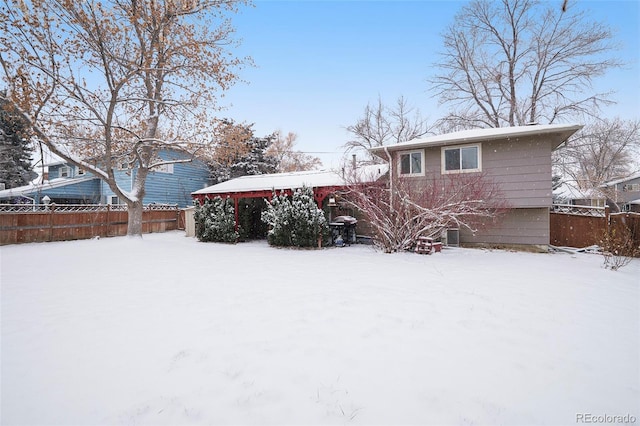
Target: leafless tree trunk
(426,206)
(383,125)
(513,62)
(115,82)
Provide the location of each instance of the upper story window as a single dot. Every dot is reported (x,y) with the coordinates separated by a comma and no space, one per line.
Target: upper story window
(631,187)
(461,159)
(412,163)
(80,172)
(65,171)
(163,168)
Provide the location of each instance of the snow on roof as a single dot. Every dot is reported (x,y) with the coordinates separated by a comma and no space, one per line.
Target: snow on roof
(292,180)
(52,184)
(635,202)
(561,133)
(569,192)
(621,180)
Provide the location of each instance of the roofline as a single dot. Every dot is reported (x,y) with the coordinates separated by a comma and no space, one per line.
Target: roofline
(21,190)
(632,176)
(482,135)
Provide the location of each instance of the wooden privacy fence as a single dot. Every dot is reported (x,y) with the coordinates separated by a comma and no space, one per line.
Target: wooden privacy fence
(576,226)
(40,223)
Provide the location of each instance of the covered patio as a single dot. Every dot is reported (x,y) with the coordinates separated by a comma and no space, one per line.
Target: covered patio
(324,183)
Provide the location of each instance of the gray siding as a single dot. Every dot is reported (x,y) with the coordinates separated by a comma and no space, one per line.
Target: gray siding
(626,196)
(518,226)
(522,168)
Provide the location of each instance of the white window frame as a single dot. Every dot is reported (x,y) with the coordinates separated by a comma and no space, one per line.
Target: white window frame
(443,165)
(80,171)
(66,170)
(164,168)
(111,199)
(411,173)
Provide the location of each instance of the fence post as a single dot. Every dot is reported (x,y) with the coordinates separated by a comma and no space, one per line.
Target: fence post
(108,220)
(607,219)
(52,208)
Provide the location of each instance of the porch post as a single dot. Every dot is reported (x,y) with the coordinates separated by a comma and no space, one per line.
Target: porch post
(235,209)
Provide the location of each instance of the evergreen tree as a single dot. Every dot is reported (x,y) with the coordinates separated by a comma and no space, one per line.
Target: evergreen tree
(241,153)
(215,221)
(295,221)
(15,152)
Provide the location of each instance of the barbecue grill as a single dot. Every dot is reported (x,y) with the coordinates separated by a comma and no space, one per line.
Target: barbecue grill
(343,230)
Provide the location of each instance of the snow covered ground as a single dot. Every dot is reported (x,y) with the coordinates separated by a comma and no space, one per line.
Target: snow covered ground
(171,331)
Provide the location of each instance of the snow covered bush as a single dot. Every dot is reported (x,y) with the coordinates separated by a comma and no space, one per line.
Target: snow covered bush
(215,221)
(404,209)
(296,220)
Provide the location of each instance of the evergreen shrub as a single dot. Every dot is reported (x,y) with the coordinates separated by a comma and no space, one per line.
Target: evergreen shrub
(295,221)
(215,221)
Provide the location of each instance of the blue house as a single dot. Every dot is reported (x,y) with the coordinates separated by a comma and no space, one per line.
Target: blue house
(68,184)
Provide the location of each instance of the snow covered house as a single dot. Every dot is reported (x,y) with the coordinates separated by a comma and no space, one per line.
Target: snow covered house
(568,194)
(625,192)
(518,159)
(67,184)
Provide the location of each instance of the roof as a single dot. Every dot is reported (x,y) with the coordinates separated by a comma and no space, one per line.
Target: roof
(292,180)
(567,191)
(52,184)
(621,180)
(558,133)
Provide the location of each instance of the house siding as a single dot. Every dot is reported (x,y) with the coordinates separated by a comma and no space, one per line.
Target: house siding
(522,169)
(626,196)
(522,226)
(165,188)
(88,191)
(176,187)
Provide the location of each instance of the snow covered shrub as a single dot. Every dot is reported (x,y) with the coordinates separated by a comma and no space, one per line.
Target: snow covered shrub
(404,209)
(215,221)
(295,221)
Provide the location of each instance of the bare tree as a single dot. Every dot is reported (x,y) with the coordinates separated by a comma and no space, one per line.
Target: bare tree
(383,125)
(114,82)
(604,150)
(289,159)
(513,62)
(426,207)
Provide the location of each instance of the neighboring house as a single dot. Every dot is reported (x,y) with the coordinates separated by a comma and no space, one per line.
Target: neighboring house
(68,184)
(570,195)
(517,158)
(625,192)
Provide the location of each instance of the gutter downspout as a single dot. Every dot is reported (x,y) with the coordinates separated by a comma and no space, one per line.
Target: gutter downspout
(386,150)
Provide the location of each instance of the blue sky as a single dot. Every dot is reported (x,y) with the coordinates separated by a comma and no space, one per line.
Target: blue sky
(318,63)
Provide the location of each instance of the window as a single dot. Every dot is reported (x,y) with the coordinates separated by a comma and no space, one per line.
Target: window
(80,172)
(631,187)
(461,159)
(163,168)
(411,163)
(113,199)
(65,171)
